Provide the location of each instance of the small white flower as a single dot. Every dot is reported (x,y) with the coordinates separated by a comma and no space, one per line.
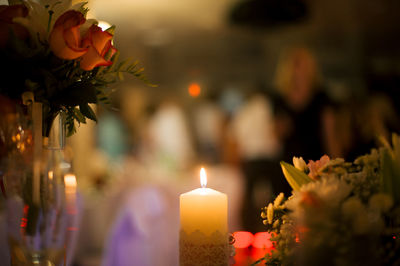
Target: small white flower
(351,206)
(276,224)
(299,163)
(357,214)
(263,215)
(270,213)
(278,200)
(381,202)
(330,189)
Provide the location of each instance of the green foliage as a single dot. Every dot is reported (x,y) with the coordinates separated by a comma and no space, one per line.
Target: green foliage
(390,165)
(83,8)
(61,84)
(87,111)
(116,72)
(294,176)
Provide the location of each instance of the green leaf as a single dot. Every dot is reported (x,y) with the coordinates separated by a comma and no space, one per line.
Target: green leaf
(390,168)
(120,76)
(396,167)
(122,64)
(79,116)
(386,172)
(70,121)
(87,111)
(396,182)
(111,29)
(396,147)
(294,176)
(71,128)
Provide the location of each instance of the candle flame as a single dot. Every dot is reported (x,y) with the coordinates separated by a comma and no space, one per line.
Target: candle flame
(203,177)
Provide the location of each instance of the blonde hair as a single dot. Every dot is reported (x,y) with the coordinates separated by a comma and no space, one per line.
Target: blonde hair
(286,65)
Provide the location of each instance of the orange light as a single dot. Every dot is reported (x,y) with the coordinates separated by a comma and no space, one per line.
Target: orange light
(70,183)
(243,239)
(194,90)
(262,240)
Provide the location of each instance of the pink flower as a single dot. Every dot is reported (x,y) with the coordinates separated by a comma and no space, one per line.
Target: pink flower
(314,167)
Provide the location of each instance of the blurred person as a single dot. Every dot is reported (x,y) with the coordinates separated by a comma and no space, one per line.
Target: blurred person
(373,118)
(381,115)
(112,136)
(305,115)
(259,150)
(170,142)
(208,123)
(134,102)
(231,100)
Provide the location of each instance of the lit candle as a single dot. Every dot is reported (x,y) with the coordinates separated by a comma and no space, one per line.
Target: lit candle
(204,226)
(70,192)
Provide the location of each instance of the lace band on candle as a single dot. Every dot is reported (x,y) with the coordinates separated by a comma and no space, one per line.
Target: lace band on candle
(198,249)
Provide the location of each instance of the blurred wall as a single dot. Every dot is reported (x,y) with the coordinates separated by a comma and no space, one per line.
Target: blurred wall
(181,41)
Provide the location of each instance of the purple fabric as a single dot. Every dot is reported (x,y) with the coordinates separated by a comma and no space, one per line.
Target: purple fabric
(141,233)
(126,244)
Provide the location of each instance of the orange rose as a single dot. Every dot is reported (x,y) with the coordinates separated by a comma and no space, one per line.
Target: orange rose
(7,14)
(65,38)
(99,45)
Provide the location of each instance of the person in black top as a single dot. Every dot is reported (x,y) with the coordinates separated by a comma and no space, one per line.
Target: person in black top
(304,114)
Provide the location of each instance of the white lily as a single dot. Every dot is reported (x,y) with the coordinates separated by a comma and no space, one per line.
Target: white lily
(299,163)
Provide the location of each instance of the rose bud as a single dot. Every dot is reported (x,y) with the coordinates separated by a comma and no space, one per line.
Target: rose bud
(99,45)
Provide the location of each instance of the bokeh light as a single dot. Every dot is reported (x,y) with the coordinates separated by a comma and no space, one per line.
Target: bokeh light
(194,90)
(243,239)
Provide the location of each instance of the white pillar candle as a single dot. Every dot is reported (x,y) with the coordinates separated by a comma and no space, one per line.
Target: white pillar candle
(204,226)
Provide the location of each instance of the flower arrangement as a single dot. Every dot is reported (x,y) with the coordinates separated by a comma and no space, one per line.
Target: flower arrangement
(54,55)
(340,213)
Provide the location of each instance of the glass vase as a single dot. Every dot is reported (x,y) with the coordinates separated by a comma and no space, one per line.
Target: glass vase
(41,195)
